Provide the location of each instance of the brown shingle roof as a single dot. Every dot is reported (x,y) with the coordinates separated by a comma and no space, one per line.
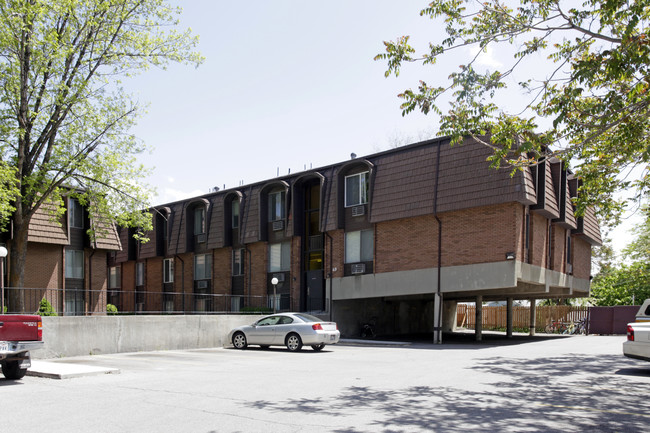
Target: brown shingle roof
(46,228)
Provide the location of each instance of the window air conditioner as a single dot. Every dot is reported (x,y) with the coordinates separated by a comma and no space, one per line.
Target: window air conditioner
(278,225)
(202,284)
(358,211)
(358,268)
(200,238)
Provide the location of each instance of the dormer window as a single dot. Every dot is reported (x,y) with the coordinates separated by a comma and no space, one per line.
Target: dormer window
(356,189)
(75,214)
(199,220)
(235,214)
(276,205)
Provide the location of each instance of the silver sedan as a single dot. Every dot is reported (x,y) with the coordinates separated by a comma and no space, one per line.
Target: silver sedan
(286,329)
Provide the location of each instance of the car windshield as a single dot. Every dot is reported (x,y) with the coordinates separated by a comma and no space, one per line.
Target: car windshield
(308,318)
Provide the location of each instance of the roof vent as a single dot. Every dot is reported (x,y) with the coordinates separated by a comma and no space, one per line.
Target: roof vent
(353,155)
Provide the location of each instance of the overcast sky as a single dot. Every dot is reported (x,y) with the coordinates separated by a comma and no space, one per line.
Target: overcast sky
(286,85)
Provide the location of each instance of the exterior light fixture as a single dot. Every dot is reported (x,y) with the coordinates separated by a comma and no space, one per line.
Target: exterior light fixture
(510,256)
(274,281)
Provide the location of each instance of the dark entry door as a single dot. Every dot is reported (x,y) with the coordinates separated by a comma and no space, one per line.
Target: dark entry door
(315,295)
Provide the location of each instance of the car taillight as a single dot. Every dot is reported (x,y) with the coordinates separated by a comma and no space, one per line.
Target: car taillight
(40,330)
(630,333)
(316,327)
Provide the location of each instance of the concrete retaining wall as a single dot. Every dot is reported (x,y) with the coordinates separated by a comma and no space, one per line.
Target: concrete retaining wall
(77,336)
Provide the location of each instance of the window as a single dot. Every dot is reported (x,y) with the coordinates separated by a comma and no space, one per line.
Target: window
(168,271)
(235,213)
(114,281)
(74,264)
(276,205)
(199,220)
(359,246)
(356,189)
(237,262)
(139,274)
(279,257)
(75,214)
(203,267)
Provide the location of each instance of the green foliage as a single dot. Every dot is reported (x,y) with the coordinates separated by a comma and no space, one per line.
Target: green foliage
(626,285)
(46,309)
(111,309)
(65,117)
(583,71)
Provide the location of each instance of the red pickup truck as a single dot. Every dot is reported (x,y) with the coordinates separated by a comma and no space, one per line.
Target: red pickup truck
(18,335)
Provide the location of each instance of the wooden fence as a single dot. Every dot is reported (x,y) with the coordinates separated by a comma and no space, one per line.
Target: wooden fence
(496,317)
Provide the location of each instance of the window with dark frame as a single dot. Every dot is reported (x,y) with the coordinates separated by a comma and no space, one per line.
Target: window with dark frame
(235,213)
(139,274)
(276,205)
(114,280)
(75,214)
(356,189)
(199,220)
(237,262)
(74,264)
(279,257)
(359,246)
(168,271)
(202,267)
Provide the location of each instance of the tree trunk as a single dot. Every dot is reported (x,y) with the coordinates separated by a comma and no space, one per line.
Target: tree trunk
(17,255)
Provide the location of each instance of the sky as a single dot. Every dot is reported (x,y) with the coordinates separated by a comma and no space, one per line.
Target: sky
(286,85)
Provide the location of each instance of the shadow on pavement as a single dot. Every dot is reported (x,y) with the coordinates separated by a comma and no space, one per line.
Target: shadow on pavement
(540,395)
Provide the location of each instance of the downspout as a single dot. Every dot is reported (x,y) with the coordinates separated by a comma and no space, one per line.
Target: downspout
(437,328)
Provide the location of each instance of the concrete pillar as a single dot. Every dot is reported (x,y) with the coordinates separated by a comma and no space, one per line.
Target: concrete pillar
(437,318)
(533,318)
(509,318)
(478,329)
(449,315)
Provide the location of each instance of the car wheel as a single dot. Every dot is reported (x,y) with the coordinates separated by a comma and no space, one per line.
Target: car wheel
(12,370)
(239,340)
(293,342)
(318,347)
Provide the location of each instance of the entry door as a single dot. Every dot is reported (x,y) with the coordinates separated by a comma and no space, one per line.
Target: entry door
(315,290)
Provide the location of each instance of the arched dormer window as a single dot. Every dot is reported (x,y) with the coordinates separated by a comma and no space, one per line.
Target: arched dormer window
(232,204)
(197,222)
(355,189)
(163,218)
(273,209)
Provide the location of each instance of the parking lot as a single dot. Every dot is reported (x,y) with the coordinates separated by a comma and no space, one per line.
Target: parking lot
(526,384)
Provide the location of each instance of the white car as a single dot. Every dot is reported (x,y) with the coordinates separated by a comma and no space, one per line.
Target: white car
(286,329)
(637,345)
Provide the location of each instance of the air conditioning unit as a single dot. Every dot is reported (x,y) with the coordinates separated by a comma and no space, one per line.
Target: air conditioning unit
(358,211)
(278,225)
(358,268)
(201,238)
(280,277)
(203,284)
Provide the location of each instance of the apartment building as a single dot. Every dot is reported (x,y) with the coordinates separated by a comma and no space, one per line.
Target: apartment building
(397,238)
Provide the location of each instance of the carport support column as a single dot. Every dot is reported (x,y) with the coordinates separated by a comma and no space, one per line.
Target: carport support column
(437,318)
(533,317)
(509,318)
(478,327)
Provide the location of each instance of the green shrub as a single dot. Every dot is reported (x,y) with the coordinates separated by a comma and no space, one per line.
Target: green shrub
(264,310)
(45,308)
(111,309)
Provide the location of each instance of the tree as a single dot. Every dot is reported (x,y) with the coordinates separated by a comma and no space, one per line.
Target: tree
(628,283)
(584,68)
(65,118)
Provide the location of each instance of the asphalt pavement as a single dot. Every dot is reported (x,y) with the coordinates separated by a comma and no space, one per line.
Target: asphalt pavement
(540,384)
